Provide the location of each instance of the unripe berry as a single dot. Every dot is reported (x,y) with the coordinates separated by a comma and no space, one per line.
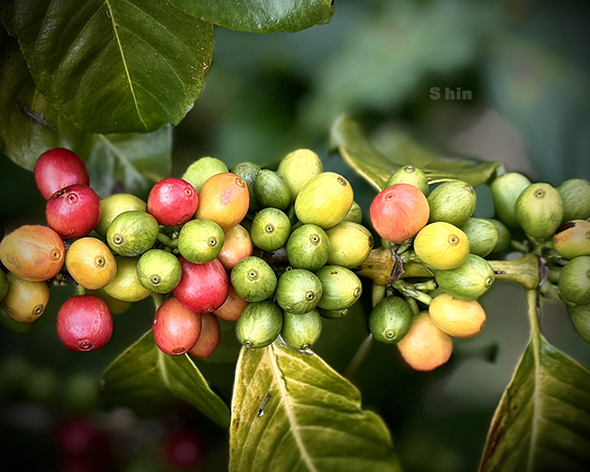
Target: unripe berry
(237,246)
(73,211)
(452,202)
(539,210)
(58,168)
(25,301)
(176,329)
(84,323)
(172,201)
(91,263)
(441,245)
(224,198)
(505,191)
(572,239)
(457,318)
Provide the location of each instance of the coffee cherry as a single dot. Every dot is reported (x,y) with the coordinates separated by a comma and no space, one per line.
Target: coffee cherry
(270,229)
(457,318)
(73,211)
(572,239)
(426,346)
(308,247)
(441,245)
(409,175)
(301,331)
(203,287)
(298,168)
(350,244)
(200,241)
(324,200)
(298,291)
(469,281)
(248,172)
(172,201)
(3,285)
(176,329)
(341,287)
(259,325)
(12,325)
(125,285)
(505,191)
(482,234)
(574,281)
(91,263)
(504,236)
(253,279)
(184,449)
(200,170)
(232,307)
(237,246)
(209,337)
(25,300)
(452,202)
(113,206)
(390,320)
(84,323)
(132,233)
(580,316)
(272,190)
(58,168)
(159,271)
(33,252)
(224,198)
(355,214)
(116,306)
(399,212)
(575,195)
(539,210)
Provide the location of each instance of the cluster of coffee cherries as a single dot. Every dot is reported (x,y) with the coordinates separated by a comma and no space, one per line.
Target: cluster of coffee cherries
(269,249)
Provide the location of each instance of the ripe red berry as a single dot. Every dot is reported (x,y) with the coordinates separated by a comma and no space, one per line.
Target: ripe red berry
(203,287)
(184,449)
(58,168)
(73,211)
(176,329)
(173,201)
(84,323)
(209,337)
(399,212)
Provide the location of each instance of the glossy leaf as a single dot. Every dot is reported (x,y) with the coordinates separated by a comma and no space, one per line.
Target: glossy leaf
(113,65)
(357,150)
(260,16)
(543,420)
(292,412)
(143,376)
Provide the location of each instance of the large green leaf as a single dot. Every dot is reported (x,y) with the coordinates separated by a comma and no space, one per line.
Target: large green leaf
(292,412)
(357,150)
(144,377)
(113,65)
(543,420)
(260,16)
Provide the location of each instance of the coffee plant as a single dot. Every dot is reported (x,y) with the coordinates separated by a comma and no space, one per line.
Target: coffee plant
(242,269)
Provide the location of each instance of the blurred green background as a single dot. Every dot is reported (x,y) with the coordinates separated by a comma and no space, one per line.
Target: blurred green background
(527,66)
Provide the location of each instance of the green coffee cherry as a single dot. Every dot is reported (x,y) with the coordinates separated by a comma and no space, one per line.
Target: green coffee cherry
(452,202)
(332,314)
(253,279)
(113,206)
(132,233)
(390,320)
(504,236)
(12,325)
(159,271)
(259,324)
(539,210)
(301,331)
(341,287)
(298,291)
(200,170)
(409,175)
(308,247)
(574,281)
(298,168)
(126,285)
(482,234)
(200,241)
(575,195)
(3,285)
(469,281)
(505,191)
(580,315)
(270,229)
(350,244)
(355,214)
(272,190)
(248,172)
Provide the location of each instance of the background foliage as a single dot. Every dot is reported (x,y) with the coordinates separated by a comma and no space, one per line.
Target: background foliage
(527,66)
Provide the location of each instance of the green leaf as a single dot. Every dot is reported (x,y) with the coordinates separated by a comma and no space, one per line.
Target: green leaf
(355,147)
(292,412)
(260,16)
(113,65)
(543,420)
(144,377)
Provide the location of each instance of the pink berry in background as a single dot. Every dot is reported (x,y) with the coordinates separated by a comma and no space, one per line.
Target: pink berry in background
(173,201)
(58,168)
(176,329)
(84,323)
(73,211)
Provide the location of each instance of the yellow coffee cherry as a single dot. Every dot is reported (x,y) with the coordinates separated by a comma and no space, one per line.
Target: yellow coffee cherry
(457,318)
(441,245)
(91,263)
(126,285)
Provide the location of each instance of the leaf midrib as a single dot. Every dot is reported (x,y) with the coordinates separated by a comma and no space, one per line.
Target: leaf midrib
(124,61)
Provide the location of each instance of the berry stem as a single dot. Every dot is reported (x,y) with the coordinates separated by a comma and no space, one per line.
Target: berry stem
(167,241)
(80,290)
(380,264)
(359,356)
(378,293)
(534,311)
(524,271)
(409,290)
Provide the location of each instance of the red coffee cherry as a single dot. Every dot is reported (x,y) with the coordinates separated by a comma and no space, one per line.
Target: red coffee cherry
(58,168)
(203,287)
(176,329)
(399,212)
(173,201)
(73,211)
(84,323)
(209,338)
